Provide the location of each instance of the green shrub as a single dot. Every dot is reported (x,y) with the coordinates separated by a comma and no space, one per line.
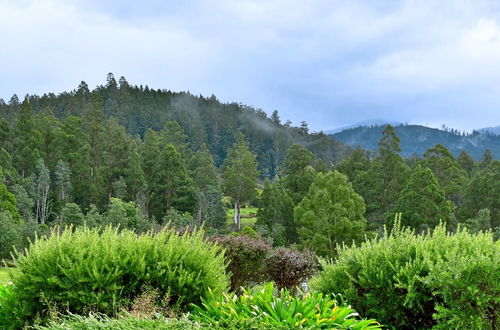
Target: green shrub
(126,322)
(104,270)
(434,280)
(11,310)
(263,309)
(246,258)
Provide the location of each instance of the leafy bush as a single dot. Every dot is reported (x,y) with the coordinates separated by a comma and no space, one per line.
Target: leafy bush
(10,308)
(262,309)
(104,270)
(246,257)
(288,267)
(126,322)
(438,279)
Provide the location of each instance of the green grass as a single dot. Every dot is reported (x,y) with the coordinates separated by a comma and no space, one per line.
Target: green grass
(248,216)
(5,275)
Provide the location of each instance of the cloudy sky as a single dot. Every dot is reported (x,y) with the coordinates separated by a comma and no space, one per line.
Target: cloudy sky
(331,63)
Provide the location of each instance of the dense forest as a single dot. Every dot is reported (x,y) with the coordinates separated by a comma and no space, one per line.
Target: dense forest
(137,157)
(416,139)
(135,173)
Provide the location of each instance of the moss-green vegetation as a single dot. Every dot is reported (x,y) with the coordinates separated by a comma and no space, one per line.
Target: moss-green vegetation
(6,275)
(84,270)
(442,280)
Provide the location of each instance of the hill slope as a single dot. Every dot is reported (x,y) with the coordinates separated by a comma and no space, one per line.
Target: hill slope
(417,139)
(205,120)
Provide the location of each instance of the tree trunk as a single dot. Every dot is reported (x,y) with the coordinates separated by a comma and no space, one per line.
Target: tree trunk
(235,216)
(238,218)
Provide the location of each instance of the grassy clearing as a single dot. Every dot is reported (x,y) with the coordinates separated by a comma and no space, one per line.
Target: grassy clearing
(5,275)
(248,216)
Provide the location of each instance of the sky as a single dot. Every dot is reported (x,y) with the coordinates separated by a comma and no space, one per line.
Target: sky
(330,63)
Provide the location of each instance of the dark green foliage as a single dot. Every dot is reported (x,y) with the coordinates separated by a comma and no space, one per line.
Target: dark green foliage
(171,186)
(275,214)
(483,192)
(448,281)
(299,171)
(486,159)
(7,199)
(331,213)
(358,161)
(466,162)
(71,214)
(246,258)
(384,180)
(85,270)
(422,202)
(289,267)
(449,174)
(481,222)
(262,308)
(10,235)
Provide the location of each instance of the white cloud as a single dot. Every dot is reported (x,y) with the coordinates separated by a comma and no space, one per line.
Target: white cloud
(329,62)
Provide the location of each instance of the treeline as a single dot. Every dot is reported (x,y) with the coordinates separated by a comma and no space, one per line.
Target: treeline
(82,157)
(320,208)
(137,157)
(205,120)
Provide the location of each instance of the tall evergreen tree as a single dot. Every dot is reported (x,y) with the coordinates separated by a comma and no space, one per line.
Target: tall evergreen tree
(299,171)
(27,141)
(383,182)
(171,186)
(331,213)
(422,202)
(482,193)
(275,214)
(466,162)
(451,177)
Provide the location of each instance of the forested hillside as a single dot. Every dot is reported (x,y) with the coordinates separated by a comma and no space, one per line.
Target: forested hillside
(416,139)
(204,120)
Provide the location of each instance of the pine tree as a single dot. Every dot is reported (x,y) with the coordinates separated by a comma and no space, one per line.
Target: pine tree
(331,213)
(27,141)
(422,202)
(487,159)
(299,171)
(171,186)
(358,161)
(482,193)
(275,214)
(466,162)
(384,180)
(450,175)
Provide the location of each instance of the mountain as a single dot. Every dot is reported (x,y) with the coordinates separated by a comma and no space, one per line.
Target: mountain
(416,139)
(373,122)
(494,130)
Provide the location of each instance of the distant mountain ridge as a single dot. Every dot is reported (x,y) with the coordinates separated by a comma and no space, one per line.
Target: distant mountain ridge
(371,122)
(416,139)
(494,130)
